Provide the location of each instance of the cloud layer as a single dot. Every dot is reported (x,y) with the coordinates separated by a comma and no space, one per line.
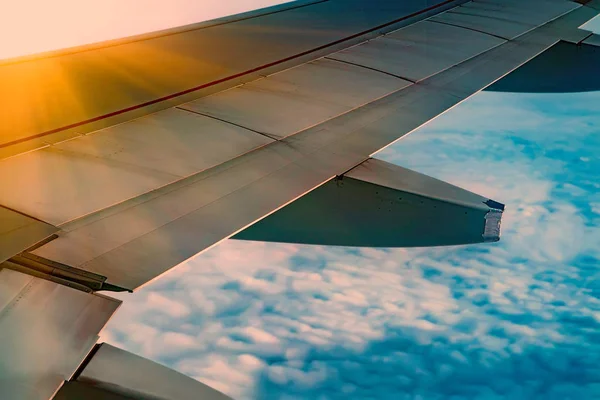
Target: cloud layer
(518,319)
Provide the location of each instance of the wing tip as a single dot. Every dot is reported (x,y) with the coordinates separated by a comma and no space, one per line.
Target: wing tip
(493,220)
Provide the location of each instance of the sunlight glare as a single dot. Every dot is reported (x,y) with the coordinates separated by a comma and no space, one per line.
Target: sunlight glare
(34,26)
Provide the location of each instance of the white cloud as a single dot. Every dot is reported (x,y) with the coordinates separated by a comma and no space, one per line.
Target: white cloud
(161,303)
(512,320)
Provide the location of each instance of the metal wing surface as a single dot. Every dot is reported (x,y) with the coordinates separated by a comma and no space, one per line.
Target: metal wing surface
(207,129)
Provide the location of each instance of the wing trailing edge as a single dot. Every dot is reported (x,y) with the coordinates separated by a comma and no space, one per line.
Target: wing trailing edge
(46,329)
(378,204)
(114,374)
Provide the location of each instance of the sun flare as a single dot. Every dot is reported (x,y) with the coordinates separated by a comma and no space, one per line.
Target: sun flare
(34,26)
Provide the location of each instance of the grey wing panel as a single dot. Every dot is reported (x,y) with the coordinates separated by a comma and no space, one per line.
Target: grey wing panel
(292,101)
(74,390)
(141,238)
(46,329)
(504,19)
(419,50)
(76,175)
(164,228)
(84,175)
(87,174)
(115,373)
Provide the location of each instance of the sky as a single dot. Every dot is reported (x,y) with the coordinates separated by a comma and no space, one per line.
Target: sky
(35,26)
(517,319)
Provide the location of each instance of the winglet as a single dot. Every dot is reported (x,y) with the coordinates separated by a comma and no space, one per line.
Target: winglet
(564,68)
(378,204)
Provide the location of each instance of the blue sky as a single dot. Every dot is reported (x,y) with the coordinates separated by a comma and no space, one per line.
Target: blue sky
(518,319)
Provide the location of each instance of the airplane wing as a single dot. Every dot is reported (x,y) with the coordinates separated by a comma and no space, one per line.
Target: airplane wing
(123,159)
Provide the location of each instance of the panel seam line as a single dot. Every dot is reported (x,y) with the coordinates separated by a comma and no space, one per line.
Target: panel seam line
(371,68)
(228,122)
(469,29)
(470,14)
